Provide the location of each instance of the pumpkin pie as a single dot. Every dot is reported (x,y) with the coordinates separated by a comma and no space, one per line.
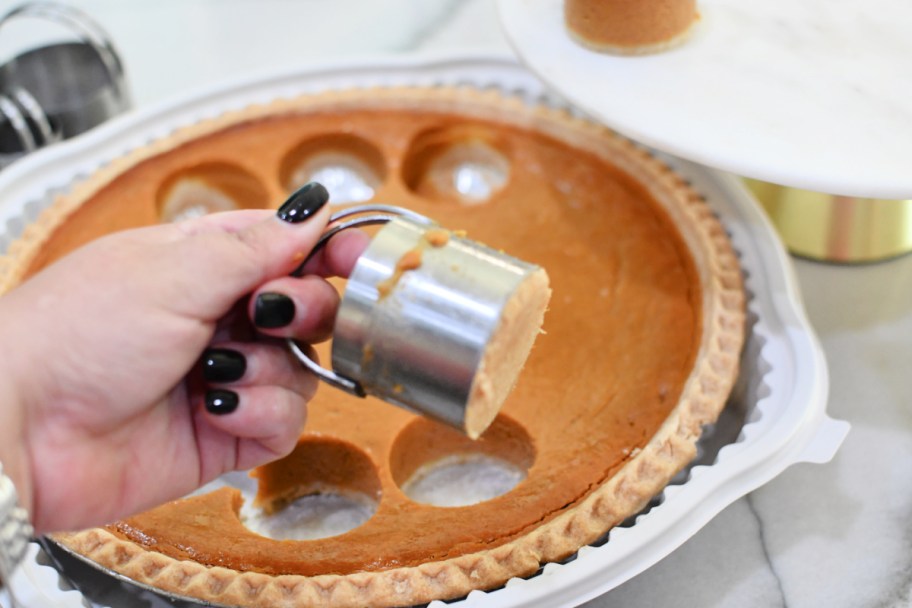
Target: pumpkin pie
(640,347)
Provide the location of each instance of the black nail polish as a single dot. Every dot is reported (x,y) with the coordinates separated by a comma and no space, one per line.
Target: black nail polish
(223,365)
(272,310)
(303,203)
(221,402)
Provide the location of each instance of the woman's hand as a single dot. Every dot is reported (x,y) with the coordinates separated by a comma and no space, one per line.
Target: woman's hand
(131,372)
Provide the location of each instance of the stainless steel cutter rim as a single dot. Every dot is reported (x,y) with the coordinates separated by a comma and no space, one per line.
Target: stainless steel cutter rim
(17,120)
(21,111)
(381,214)
(49,134)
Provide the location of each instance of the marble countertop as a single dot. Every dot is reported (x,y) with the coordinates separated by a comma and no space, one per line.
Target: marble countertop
(838,534)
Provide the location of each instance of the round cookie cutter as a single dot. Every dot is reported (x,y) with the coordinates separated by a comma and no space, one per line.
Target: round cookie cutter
(418,314)
(77,85)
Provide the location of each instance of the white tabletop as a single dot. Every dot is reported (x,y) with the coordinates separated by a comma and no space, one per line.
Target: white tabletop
(835,534)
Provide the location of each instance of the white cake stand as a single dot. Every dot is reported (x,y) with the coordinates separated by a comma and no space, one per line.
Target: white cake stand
(814,94)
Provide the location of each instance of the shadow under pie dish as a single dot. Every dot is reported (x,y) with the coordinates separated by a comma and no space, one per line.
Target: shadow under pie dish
(643,337)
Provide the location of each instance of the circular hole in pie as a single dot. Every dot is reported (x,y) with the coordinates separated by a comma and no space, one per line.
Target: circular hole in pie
(209,188)
(351,168)
(466,479)
(466,164)
(435,464)
(324,488)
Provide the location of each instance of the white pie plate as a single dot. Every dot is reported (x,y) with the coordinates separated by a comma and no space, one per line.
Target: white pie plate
(775,419)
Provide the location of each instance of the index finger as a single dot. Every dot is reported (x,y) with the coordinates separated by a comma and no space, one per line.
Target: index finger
(338,256)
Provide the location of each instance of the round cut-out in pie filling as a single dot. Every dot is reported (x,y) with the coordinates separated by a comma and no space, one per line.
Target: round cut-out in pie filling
(641,346)
(349,167)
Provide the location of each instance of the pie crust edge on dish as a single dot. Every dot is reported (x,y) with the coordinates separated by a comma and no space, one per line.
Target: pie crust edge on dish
(644,475)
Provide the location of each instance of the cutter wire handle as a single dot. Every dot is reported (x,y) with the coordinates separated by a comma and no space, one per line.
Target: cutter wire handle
(381,214)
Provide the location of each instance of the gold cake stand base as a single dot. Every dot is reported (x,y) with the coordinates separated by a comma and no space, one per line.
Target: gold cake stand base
(833,228)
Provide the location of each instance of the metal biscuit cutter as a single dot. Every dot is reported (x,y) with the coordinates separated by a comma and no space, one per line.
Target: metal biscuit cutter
(418,314)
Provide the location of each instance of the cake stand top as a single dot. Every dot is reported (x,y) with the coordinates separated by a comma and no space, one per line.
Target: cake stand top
(814,94)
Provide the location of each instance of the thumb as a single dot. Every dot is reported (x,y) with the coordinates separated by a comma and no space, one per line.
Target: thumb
(279,244)
(228,255)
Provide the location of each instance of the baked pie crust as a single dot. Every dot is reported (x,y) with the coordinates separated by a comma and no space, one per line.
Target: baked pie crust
(642,346)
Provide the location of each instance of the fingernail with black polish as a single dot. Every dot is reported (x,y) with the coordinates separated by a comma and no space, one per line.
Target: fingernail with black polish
(223,365)
(272,310)
(304,203)
(221,402)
